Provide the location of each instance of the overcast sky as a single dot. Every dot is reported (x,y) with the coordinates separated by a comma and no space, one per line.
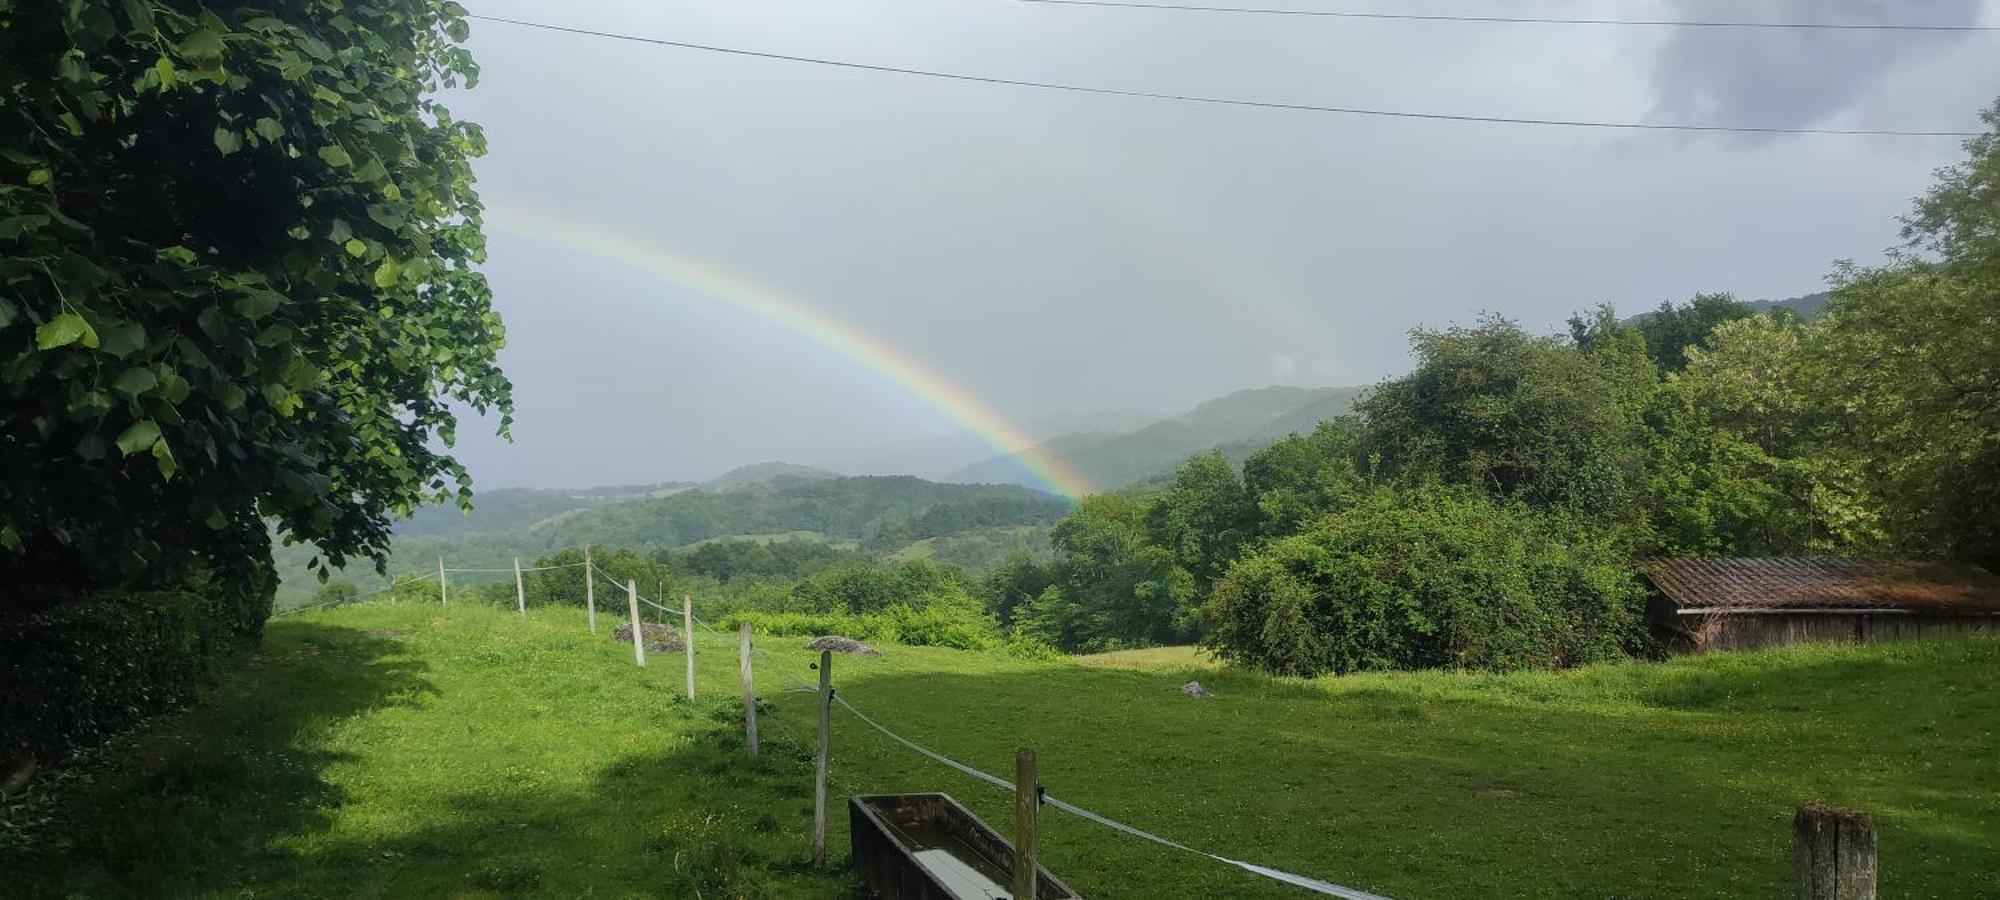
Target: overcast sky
(1054,253)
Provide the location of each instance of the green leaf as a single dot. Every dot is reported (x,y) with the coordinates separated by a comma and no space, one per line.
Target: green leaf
(458,30)
(167,71)
(63,330)
(259,304)
(227,140)
(123,338)
(334,155)
(181,255)
(203,46)
(38,177)
(135,382)
(7,312)
(269,129)
(165,458)
(140,14)
(14,226)
(232,397)
(355,248)
(142,434)
(339,232)
(387,273)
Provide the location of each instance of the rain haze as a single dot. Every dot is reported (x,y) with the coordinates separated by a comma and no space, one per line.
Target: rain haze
(703,259)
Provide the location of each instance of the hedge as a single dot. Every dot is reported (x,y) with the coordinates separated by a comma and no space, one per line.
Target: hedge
(79,673)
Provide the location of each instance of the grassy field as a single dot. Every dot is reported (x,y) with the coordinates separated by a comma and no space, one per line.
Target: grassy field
(399,751)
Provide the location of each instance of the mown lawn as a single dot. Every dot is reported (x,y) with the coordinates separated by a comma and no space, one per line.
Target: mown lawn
(405,751)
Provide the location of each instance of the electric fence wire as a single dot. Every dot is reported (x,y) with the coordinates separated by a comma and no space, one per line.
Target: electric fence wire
(415,579)
(1319,886)
(1224,101)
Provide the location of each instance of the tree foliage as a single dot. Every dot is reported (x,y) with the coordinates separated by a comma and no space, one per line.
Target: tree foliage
(1426,578)
(237,250)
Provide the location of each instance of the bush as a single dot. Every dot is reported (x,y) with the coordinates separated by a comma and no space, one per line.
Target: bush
(933,627)
(81,672)
(1428,578)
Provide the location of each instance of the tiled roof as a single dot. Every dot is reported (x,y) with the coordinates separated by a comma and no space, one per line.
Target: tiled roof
(1800,583)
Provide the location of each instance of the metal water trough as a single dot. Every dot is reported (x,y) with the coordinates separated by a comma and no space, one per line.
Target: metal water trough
(928,847)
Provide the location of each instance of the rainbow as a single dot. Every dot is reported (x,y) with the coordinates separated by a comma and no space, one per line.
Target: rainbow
(799,316)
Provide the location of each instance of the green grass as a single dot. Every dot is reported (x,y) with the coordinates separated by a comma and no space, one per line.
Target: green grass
(406,751)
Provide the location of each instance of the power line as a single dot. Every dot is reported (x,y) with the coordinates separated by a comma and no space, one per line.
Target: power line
(1226,101)
(1517,20)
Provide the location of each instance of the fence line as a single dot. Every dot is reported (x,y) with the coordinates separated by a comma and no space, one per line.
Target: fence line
(1315,885)
(395,582)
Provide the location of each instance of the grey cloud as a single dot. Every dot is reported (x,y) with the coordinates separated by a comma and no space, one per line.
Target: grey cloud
(1795,77)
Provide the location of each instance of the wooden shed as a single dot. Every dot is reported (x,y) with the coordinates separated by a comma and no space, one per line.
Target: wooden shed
(1747,603)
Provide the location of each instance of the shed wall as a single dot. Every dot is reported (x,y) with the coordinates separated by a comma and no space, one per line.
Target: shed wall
(1724,631)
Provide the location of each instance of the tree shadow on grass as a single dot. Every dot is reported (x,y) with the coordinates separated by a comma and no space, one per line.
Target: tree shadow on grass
(177,807)
(694,819)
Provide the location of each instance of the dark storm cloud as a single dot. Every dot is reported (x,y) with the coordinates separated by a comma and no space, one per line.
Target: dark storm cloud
(1794,77)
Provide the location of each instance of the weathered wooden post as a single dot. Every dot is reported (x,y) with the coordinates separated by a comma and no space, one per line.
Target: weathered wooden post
(749,693)
(392,589)
(520,593)
(1027,801)
(443,588)
(589,589)
(638,636)
(819,764)
(1833,854)
(687,637)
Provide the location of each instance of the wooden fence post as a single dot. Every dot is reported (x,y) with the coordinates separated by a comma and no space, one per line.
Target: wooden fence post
(1027,801)
(1833,854)
(638,633)
(520,593)
(589,589)
(444,591)
(749,693)
(687,637)
(392,589)
(819,765)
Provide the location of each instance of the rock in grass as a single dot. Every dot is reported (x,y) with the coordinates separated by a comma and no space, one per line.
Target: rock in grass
(839,644)
(1194,689)
(659,638)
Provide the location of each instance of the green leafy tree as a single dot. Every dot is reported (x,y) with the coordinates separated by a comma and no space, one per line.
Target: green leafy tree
(1912,348)
(1430,577)
(337,591)
(1669,331)
(1112,585)
(1517,416)
(1306,476)
(237,284)
(1203,518)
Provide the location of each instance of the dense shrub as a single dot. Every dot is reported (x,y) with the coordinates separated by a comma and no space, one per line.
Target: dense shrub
(1428,578)
(80,672)
(934,627)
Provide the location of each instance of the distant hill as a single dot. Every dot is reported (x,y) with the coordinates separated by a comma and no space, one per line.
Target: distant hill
(1111,459)
(937,458)
(509,509)
(773,501)
(1807,306)
(764,475)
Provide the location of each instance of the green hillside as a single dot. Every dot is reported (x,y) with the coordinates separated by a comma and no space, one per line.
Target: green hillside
(1114,459)
(878,514)
(413,751)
